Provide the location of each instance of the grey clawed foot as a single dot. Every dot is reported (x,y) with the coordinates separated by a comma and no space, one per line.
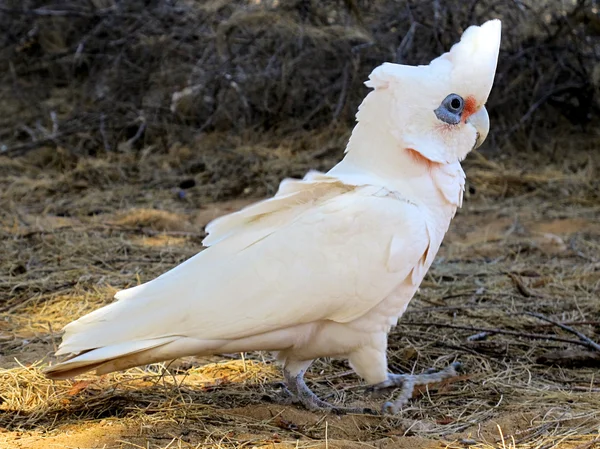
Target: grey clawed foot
(282,396)
(298,392)
(304,395)
(408,382)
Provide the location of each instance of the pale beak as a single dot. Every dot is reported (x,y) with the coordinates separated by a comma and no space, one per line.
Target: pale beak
(481,121)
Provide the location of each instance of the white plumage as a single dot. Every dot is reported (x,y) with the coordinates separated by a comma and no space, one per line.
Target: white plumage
(329,264)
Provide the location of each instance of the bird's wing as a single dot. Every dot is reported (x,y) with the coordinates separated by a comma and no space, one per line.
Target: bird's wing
(321,250)
(292,198)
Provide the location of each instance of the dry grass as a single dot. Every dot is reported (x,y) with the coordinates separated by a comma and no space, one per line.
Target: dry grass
(41,401)
(525,241)
(158,220)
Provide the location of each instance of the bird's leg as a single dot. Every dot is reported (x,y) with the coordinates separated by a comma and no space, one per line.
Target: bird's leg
(408,382)
(297,386)
(294,379)
(370,363)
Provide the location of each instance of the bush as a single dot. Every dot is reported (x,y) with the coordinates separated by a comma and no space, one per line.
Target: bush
(109,75)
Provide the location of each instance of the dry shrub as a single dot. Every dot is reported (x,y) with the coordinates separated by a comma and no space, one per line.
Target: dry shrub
(116,76)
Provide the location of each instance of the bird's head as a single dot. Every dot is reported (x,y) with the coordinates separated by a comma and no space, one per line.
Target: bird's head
(437,111)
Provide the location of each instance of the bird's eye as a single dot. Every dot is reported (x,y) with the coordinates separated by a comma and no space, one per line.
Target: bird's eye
(456,103)
(450,110)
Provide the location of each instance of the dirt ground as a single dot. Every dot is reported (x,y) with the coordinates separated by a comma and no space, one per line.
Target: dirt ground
(75,230)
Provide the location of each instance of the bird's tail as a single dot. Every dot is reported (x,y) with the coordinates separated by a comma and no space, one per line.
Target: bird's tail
(126,355)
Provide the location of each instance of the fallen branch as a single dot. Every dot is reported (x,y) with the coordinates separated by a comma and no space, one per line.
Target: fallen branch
(570,359)
(20,150)
(585,340)
(502,331)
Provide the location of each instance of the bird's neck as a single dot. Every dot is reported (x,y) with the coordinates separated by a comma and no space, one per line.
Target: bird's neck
(376,156)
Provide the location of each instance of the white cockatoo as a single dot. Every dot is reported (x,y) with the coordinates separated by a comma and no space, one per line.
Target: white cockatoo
(329,264)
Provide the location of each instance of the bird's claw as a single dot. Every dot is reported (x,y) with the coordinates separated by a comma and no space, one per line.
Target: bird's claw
(300,393)
(408,382)
(310,400)
(284,396)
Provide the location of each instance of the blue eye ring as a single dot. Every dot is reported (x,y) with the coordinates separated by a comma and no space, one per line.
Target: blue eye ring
(451,109)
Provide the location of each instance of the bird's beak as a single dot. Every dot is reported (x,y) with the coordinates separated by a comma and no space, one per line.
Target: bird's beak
(481,121)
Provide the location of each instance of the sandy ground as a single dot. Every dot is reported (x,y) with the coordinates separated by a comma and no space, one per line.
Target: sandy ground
(525,242)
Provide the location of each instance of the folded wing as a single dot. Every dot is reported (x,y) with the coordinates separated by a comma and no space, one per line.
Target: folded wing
(319,250)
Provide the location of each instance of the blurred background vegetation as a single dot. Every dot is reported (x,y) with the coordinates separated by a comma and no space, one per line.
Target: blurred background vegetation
(139,77)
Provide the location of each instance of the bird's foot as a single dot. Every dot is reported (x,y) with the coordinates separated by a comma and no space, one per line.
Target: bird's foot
(408,382)
(282,396)
(304,395)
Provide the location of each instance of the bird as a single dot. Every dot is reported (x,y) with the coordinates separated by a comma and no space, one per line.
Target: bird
(328,265)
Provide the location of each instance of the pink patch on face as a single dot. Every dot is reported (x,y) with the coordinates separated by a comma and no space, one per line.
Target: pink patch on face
(470,108)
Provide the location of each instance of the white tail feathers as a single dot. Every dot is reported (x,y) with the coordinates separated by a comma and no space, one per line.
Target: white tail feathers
(122,356)
(129,354)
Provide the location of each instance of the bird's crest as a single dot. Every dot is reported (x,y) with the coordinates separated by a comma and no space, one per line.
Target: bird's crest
(470,65)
